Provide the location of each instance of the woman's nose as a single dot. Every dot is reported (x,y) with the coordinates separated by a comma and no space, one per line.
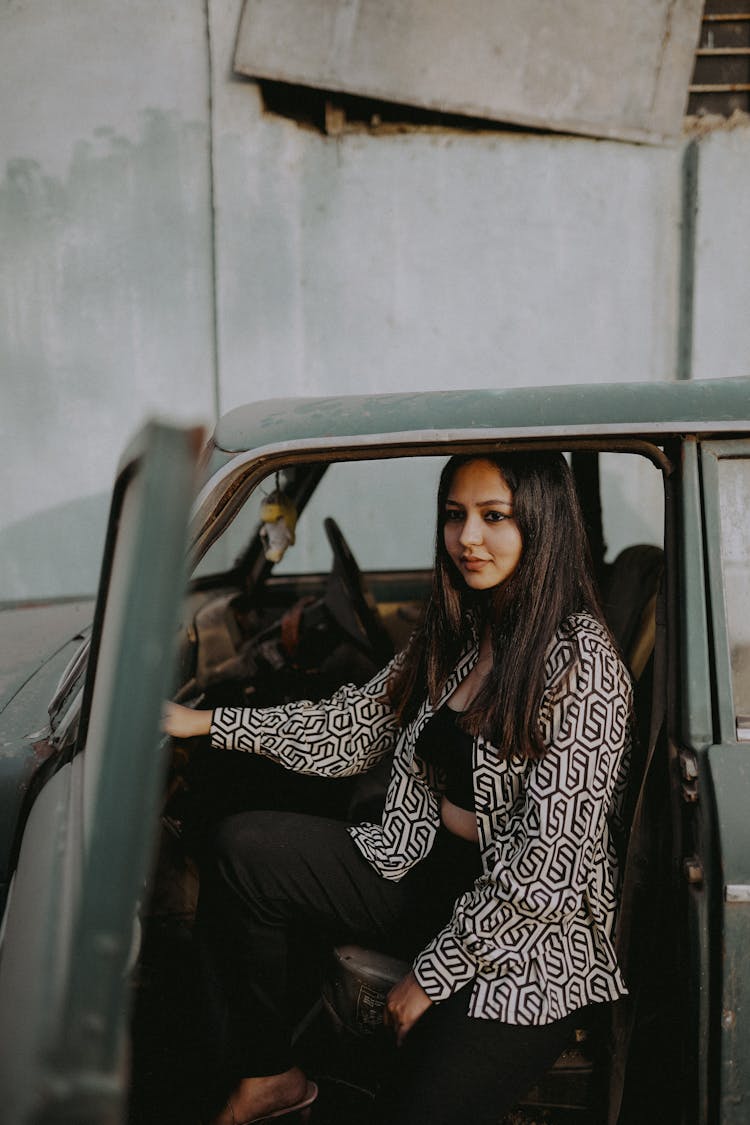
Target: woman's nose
(471,532)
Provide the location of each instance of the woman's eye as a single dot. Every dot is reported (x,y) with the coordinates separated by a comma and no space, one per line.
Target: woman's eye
(496,517)
(453,515)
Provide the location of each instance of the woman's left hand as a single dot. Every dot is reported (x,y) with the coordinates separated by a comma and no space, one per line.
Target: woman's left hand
(405,1004)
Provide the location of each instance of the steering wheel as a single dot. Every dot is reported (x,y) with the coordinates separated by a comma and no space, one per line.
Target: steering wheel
(348,599)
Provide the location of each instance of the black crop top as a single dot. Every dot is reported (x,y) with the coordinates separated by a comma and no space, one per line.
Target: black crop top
(446,746)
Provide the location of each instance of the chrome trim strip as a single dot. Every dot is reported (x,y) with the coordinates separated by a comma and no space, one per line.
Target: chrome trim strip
(737,892)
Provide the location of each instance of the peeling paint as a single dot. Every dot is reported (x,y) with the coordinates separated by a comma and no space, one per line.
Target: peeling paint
(705,124)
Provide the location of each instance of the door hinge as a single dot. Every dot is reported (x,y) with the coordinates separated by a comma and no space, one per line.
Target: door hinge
(693,869)
(689,773)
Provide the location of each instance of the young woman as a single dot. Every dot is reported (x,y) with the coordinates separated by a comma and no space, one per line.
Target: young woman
(493,866)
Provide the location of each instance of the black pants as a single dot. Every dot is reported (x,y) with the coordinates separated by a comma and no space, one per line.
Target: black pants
(282,884)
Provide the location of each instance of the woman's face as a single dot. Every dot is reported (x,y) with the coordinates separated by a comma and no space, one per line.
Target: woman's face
(481,536)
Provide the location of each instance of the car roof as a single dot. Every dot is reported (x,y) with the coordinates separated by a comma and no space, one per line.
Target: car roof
(719,405)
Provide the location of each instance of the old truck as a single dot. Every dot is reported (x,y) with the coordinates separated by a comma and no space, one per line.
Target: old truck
(102,819)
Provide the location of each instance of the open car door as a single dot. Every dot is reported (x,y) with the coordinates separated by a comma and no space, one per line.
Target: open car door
(70,931)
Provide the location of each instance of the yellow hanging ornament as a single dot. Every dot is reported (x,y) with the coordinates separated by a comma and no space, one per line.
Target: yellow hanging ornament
(279,516)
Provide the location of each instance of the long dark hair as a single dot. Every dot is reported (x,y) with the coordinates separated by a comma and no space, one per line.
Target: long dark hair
(552,580)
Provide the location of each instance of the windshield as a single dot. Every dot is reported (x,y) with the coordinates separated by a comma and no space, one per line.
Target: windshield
(386,509)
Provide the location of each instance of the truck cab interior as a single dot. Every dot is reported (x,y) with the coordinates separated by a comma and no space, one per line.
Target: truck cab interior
(344,596)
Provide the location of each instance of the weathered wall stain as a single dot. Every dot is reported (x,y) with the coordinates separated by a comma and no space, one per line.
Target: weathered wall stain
(114,253)
(105,299)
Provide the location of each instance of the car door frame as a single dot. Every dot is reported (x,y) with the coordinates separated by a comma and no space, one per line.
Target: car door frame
(87,846)
(728,767)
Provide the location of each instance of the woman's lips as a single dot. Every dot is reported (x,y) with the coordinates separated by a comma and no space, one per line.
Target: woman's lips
(473,563)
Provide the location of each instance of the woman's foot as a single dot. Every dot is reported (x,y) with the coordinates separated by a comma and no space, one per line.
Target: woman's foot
(258,1098)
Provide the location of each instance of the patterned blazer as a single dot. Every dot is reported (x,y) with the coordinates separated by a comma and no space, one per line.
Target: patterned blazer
(534,933)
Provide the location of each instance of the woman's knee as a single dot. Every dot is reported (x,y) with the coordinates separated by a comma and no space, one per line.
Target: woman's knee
(255,851)
(243,845)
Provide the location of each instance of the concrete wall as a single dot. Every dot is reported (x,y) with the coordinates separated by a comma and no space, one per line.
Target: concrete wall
(166,246)
(721,312)
(105,267)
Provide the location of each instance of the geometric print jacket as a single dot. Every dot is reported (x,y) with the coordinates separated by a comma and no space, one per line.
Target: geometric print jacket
(535,932)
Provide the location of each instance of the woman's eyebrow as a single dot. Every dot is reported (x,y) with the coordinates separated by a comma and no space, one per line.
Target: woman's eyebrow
(482,503)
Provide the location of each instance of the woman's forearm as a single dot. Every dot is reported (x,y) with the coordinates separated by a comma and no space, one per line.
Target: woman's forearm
(186,722)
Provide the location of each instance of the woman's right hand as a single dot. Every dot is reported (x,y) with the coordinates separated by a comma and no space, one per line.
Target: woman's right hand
(185,722)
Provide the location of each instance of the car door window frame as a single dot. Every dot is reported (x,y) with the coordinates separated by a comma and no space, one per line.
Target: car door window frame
(725,708)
